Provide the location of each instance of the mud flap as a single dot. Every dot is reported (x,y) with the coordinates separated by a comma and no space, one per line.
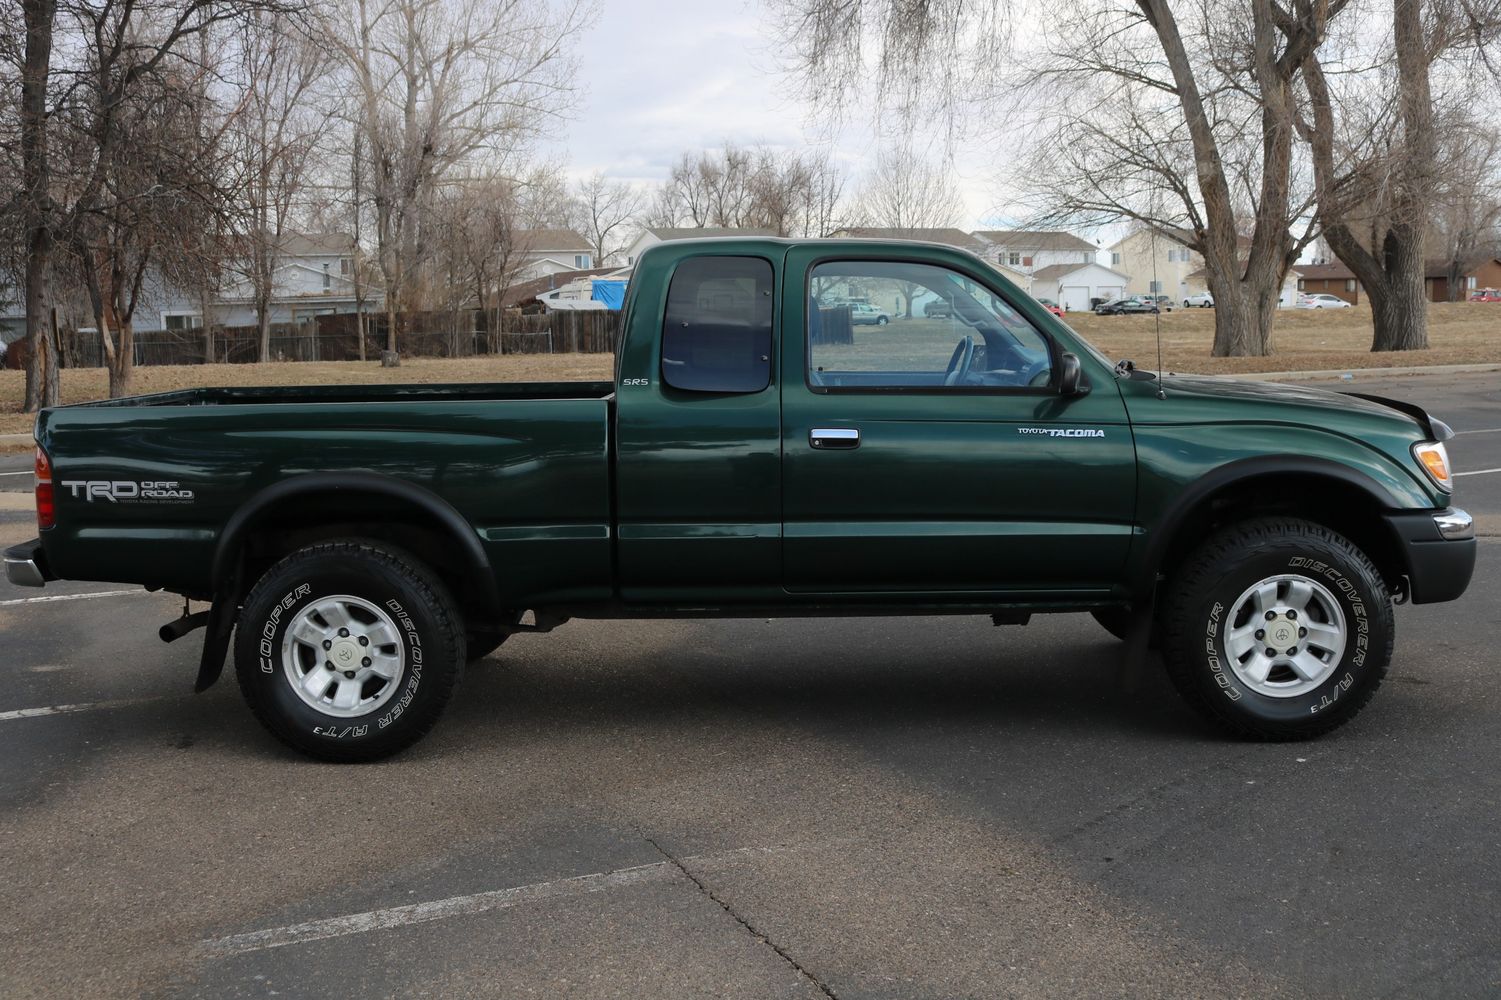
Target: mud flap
(216,634)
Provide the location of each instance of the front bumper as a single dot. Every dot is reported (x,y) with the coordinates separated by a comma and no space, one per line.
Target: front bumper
(1438,548)
(26,564)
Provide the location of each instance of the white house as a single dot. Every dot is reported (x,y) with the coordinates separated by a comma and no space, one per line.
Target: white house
(651,236)
(1074,286)
(314,276)
(1156,264)
(548,251)
(1029,250)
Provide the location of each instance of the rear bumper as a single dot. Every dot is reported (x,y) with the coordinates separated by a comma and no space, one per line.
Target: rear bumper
(1438,548)
(26,564)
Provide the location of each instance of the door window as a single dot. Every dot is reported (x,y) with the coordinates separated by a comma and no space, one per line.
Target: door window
(716,331)
(901,325)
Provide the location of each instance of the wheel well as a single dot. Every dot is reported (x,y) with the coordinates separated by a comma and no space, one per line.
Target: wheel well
(1337,505)
(293,522)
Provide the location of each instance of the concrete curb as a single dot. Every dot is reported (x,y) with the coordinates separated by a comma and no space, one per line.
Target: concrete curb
(1357,373)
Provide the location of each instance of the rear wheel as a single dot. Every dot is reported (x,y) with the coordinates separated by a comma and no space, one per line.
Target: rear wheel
(1277,629)
(348,650)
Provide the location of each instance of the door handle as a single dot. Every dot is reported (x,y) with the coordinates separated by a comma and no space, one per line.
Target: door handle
(834,437)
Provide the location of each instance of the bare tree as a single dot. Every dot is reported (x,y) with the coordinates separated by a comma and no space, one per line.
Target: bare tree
(604,210)
(439,83)
(1180,118)
(737,187)
(279,130)
(1466,229)
(1374,131)
(905,191)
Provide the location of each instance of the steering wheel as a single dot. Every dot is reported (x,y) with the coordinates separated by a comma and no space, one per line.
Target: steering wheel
(1038,374)
(961,362)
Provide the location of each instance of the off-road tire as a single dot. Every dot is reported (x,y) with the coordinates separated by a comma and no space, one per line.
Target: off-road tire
(1197,603)
(424,615)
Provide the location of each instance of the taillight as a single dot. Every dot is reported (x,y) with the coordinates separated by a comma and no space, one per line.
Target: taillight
(46,513)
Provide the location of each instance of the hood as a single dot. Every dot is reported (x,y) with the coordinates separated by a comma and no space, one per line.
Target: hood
(1306,396)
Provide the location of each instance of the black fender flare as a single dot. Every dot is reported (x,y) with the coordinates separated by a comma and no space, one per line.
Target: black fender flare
(228,572)
(1146,560)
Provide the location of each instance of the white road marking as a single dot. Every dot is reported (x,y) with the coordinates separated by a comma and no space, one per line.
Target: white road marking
(1477,472)
(70,597)
(458,906)
(1482,430)
(86,706)
(28,472)
(441,909)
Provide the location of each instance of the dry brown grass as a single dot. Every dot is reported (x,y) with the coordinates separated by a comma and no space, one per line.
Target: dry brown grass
(1305,340)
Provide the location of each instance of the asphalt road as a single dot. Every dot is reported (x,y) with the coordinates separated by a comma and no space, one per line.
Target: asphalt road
(869,808)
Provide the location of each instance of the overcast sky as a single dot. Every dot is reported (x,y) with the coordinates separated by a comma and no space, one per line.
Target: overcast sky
(664,76)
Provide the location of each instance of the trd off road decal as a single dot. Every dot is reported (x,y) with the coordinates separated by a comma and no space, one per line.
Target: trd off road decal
(127,491)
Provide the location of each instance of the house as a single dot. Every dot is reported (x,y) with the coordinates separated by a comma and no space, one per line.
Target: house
(1486,274)
(1077,286)
(651,236)
(947,236)
(1157,263)
(1333,278)
(1029,250)
(314,275)
(548,251)
(1197,283)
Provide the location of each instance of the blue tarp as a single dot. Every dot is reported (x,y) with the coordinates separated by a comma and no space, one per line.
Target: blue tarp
(611,293)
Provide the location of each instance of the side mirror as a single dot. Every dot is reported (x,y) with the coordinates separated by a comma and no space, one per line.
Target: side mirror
(1070,376)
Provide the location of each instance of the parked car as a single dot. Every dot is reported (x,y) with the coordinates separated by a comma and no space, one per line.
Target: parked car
(1323,300)
(865,314)
(1051,306)
(1201,300)
(355,545)
(1486,295)
(1164,302)
(938,309)
(1130,304)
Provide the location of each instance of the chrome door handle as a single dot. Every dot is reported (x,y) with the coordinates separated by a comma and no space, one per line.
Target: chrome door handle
(834,437)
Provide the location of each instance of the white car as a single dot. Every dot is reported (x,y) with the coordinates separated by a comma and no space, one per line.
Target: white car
(1323,300)
(1201,299)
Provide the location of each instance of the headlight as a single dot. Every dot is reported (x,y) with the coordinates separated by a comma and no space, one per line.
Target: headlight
(1435,461)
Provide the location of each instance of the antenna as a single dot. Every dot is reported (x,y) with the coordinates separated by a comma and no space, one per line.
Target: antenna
(1157,314)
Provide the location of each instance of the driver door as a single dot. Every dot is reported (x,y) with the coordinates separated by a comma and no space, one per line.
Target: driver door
(932,455)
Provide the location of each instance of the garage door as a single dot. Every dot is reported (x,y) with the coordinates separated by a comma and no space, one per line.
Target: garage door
(1074,298)
(1108,292)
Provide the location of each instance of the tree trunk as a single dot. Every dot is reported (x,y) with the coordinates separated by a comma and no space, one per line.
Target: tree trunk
(42,387)
(122,365)
(390,325)
(1398,306)
(263,324)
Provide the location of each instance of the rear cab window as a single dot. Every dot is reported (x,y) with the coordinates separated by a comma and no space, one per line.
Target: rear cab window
(717,327)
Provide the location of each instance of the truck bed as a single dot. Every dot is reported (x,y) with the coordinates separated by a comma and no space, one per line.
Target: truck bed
(147,485)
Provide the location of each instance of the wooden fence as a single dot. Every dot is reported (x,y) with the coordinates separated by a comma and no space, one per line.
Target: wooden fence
(336,338)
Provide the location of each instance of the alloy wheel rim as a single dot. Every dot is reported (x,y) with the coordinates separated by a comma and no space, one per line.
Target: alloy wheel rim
(1285,636)
(343,656)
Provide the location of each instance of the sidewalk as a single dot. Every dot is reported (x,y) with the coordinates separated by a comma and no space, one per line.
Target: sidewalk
(1356,374)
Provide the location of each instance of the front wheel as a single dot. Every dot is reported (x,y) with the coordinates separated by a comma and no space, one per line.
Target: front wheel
(348,650)
(881,321)
(1277,629)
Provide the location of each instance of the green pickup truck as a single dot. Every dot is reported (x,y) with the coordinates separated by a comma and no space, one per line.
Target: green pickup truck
(761,453)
